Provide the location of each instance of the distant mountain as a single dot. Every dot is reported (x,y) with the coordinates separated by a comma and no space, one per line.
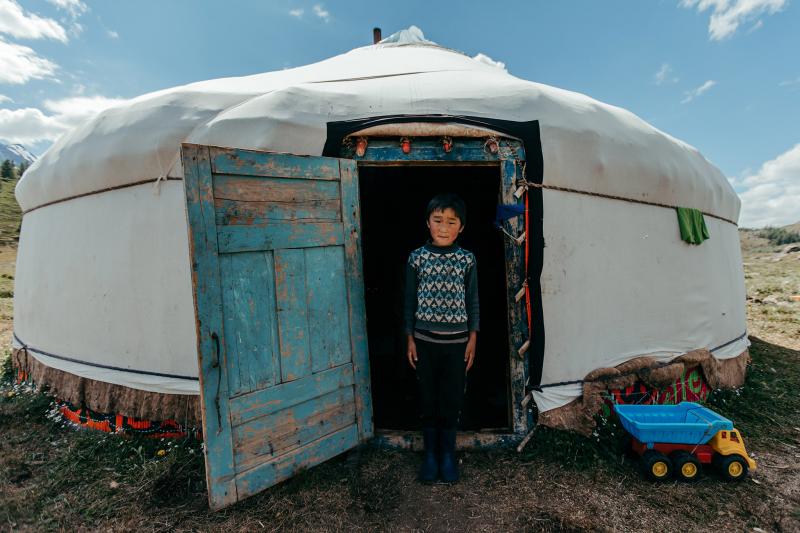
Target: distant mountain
(16,153)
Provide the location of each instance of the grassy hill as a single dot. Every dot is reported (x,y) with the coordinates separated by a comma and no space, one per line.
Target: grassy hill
(10,219)
(795,228)
(768,239)
(10,214)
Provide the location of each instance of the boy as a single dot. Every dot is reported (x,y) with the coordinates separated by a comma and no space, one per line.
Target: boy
(441,325)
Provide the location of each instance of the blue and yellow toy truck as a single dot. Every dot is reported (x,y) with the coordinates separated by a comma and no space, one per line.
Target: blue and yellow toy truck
(677,439)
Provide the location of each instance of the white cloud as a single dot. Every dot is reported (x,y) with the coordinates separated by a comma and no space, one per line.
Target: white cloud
(18,64)
(76,109)
(789,83)
(694,93)
(4,99)
(28,125)
(112,34)
(728,15)
(664,75)
(75,8)
(298,13)
(322,13)
(75,28)
(15,22)
(772,195)
(31,125)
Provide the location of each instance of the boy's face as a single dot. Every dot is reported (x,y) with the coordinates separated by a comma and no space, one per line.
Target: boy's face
(445,226)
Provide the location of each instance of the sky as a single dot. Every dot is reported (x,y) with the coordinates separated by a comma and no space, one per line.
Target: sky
(722,75)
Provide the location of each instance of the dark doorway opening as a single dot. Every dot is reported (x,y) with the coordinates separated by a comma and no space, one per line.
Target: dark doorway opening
(393,203)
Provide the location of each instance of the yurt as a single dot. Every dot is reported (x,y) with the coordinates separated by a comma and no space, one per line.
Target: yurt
(233,250)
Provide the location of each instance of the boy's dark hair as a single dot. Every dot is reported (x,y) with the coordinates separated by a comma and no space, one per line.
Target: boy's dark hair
(440,202)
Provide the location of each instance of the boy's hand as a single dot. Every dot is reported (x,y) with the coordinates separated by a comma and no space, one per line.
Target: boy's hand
(412,352)
(469,354)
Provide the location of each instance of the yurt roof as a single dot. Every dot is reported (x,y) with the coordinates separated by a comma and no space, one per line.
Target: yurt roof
(586,144)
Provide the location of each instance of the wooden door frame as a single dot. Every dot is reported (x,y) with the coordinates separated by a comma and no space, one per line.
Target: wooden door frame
(510,158)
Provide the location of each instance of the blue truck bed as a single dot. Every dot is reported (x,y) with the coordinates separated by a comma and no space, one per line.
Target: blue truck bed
(685,423)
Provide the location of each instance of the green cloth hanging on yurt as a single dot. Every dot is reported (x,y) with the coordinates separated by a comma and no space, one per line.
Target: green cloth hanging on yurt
(692,225)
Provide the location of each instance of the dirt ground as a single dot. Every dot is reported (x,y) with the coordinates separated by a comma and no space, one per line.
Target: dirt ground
(54,478)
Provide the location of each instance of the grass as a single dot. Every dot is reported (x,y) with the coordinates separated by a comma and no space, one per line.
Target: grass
(773,283)
(54,478)
(766,408)
(10,213)
(10,221)
(84,477)
(8,256)
(602,449)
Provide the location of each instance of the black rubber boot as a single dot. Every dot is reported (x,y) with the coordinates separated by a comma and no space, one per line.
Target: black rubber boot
(430,465)
(448,464)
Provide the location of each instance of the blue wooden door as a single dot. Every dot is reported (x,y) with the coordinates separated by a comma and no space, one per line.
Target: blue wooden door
(278,288)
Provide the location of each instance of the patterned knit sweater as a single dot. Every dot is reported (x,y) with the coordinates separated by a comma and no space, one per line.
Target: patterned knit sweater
(441,292)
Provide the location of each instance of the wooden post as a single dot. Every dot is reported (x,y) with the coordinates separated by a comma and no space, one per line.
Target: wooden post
(526,440)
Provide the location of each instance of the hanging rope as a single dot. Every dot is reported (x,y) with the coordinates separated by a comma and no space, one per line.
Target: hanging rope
(622,198)
(98,191)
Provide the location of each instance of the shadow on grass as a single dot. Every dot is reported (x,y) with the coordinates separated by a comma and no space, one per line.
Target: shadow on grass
(766,408)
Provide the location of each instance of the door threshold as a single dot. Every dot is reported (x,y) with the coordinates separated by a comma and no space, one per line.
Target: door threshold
(465,440)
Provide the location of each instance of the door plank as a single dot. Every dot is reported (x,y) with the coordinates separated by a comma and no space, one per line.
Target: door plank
(257,450)
(251,338)
(238,212)
(265,429)
(261,403)
(232,239)
(208,312)
(252,189)
(351,212)
(285,466)
(328,320)
(273,435)
(290,290)
(255,163)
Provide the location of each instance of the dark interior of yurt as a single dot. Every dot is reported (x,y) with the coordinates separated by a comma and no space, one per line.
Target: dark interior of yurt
(393,210)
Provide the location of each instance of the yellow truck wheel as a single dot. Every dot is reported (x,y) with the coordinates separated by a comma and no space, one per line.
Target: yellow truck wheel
(656,465)
(732,467)
(687,466)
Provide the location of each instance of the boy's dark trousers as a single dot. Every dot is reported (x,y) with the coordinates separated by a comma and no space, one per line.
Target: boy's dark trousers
(440,377)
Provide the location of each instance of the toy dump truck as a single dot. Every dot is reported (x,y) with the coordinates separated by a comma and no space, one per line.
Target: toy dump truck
(677,439)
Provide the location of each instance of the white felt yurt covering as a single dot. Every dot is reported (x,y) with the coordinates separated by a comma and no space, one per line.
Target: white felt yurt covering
(103,279)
